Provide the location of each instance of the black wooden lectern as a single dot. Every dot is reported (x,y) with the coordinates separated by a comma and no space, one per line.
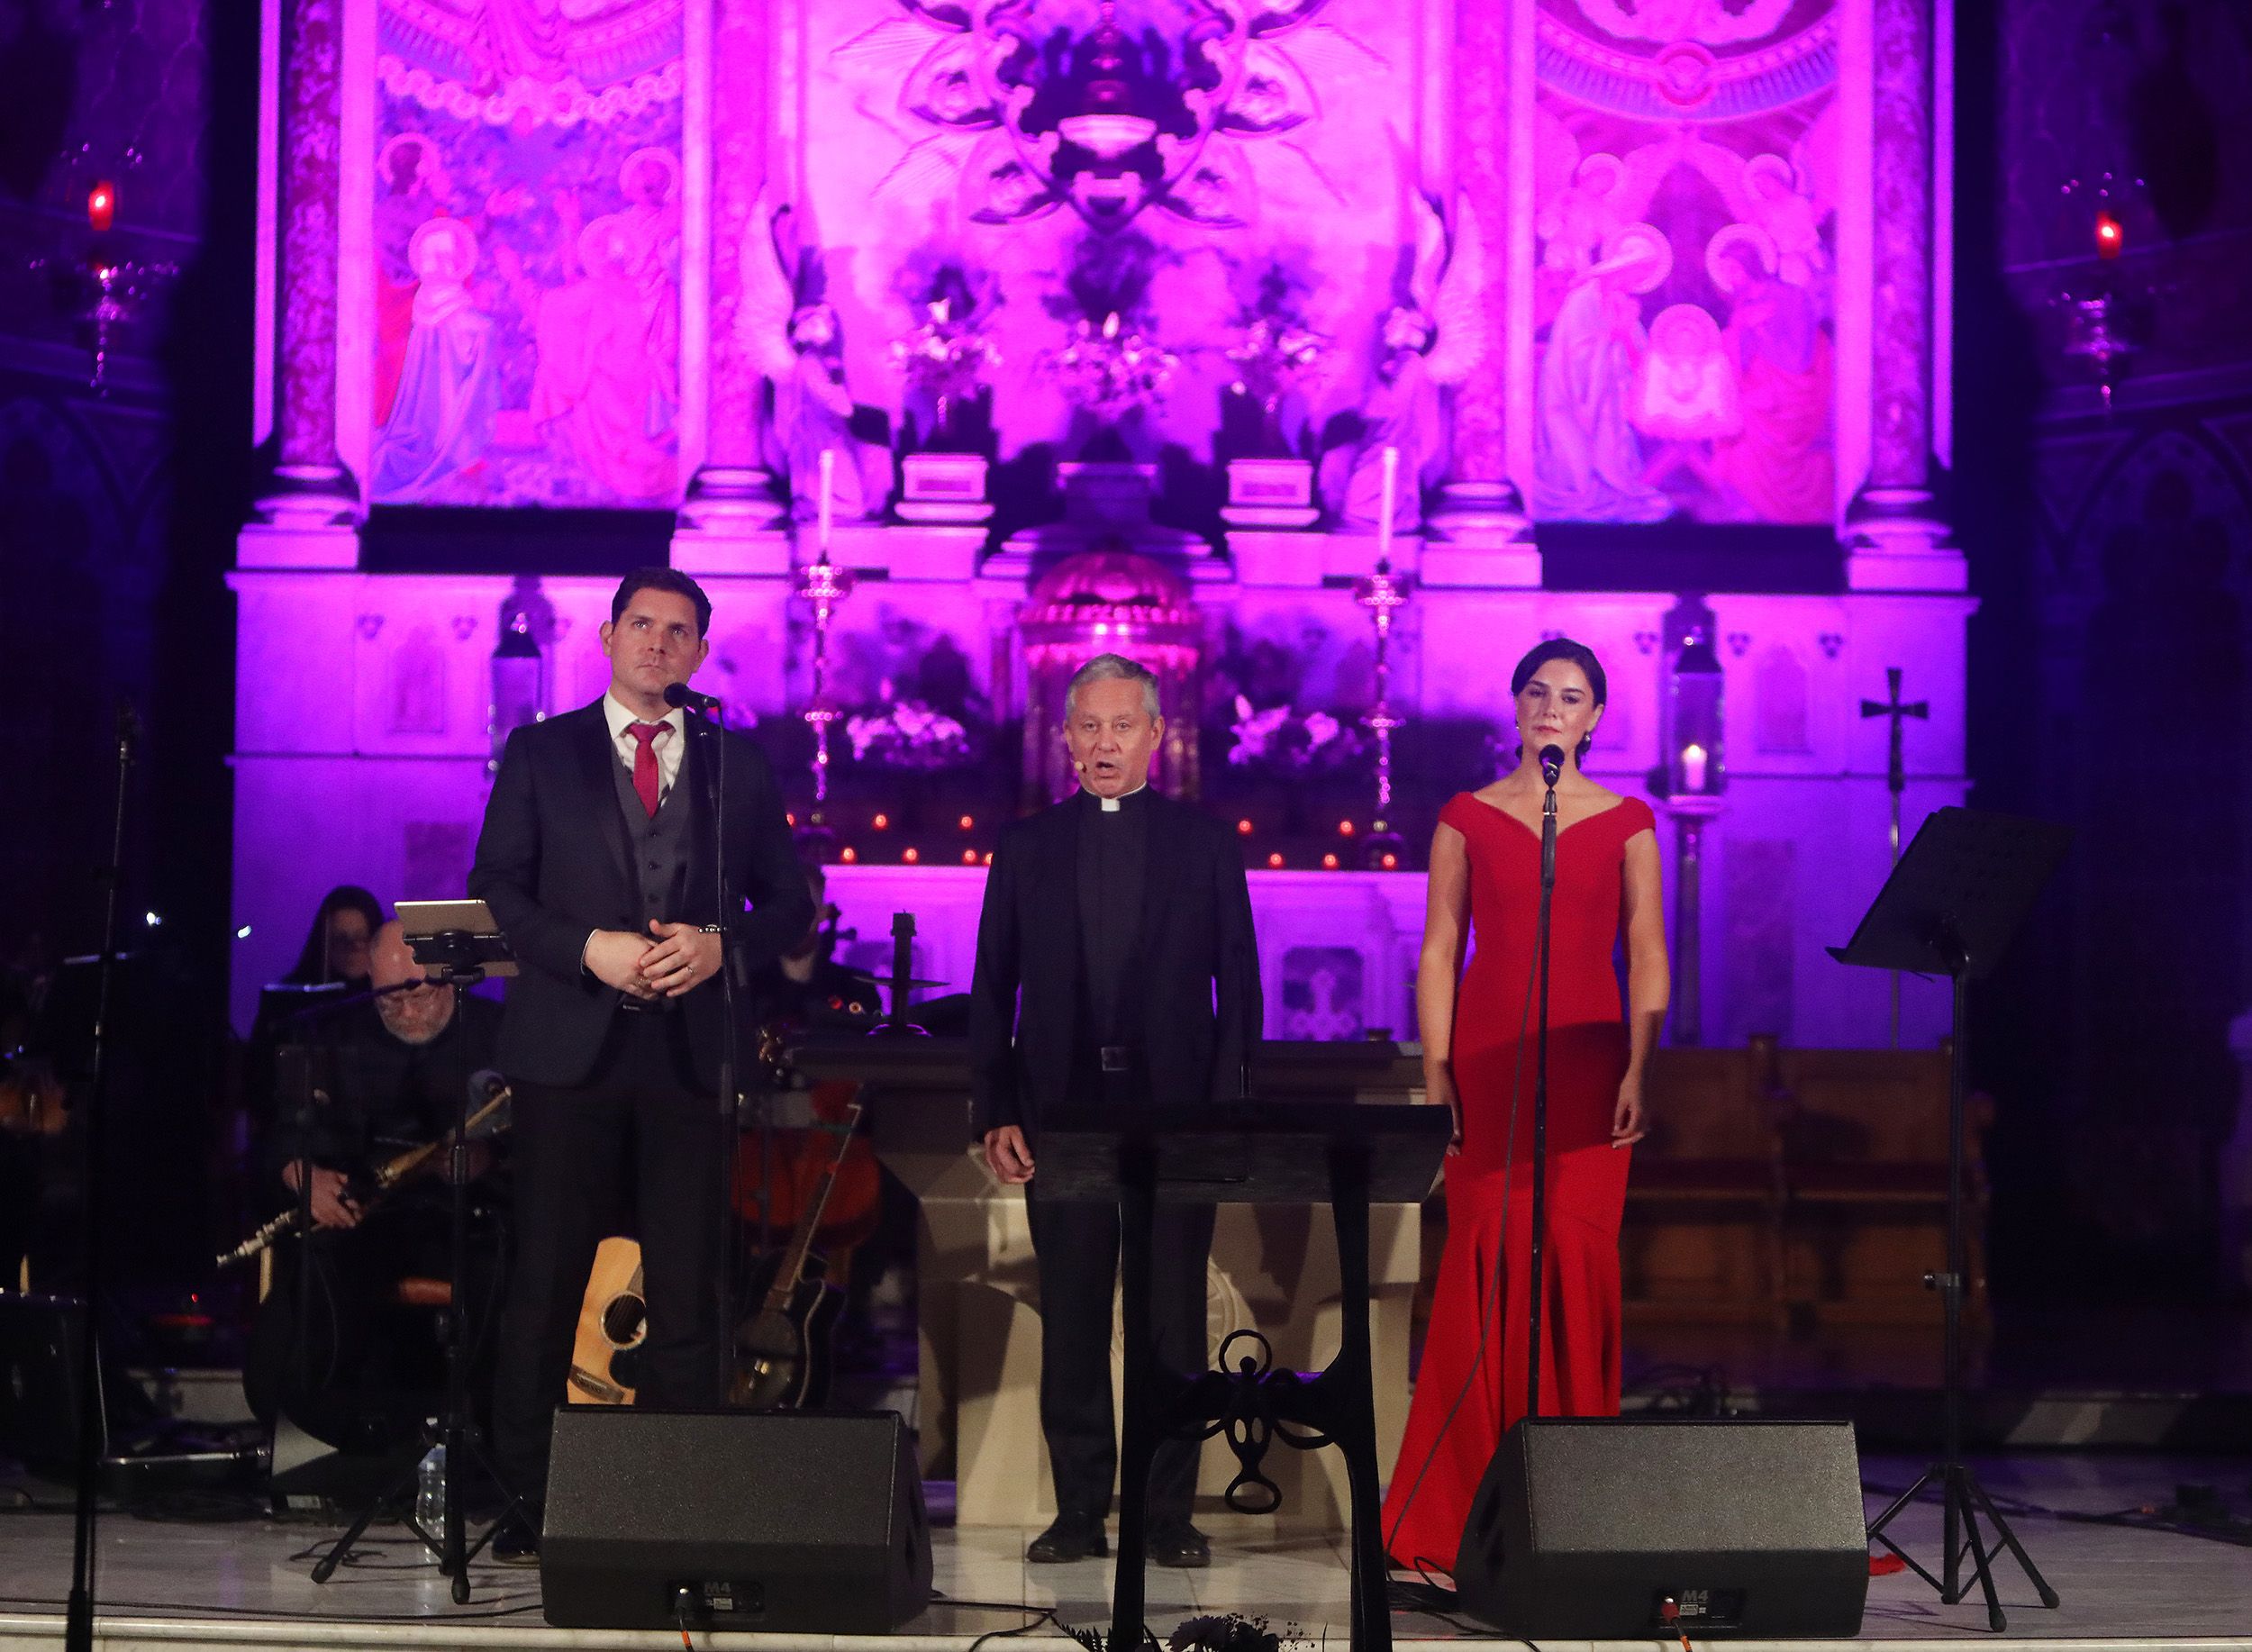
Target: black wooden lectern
(1344,1153)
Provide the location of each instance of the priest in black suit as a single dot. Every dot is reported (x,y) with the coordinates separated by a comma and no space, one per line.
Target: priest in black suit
(598,859)
(1116,964)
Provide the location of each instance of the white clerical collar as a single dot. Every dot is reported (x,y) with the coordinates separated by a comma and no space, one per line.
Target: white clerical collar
(1110,804)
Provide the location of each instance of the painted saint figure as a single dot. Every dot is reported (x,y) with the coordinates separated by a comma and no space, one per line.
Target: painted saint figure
(409,191)
(651,180)
(596,390)
(1781,465)
(441,418)
(1587,462)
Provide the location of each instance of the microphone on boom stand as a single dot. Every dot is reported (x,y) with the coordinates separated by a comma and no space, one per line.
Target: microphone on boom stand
(677,694)
(1551,771)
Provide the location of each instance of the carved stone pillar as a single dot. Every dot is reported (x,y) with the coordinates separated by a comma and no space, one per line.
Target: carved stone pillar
(731,497)
(1895,530)
(310,487)
(1486,538)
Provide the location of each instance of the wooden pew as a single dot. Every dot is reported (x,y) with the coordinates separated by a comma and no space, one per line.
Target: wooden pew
(1703,1238)
(1864,1141)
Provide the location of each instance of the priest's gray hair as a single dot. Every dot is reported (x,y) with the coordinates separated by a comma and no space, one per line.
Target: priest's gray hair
(1109,667)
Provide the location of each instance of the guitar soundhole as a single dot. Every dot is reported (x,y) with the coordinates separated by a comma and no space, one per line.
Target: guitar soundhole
(624,1320)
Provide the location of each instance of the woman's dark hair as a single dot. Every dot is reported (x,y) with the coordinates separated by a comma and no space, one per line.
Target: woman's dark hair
(1572,653)
(313,963)
(662,579)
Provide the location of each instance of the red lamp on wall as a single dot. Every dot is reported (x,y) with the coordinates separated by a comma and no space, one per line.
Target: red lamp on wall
(101,206)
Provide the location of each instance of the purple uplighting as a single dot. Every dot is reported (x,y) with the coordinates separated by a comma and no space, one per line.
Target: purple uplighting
(1803,429)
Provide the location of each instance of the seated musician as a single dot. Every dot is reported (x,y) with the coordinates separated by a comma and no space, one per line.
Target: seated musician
(807,987)
(334,1346)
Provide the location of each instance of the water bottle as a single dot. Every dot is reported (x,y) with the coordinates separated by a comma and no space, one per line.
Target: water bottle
(430,1496)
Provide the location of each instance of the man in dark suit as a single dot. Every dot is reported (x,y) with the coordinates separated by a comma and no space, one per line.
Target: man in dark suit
(1116,964)
(599,858)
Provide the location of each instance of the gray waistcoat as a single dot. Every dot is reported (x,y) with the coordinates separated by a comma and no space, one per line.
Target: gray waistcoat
(659,845)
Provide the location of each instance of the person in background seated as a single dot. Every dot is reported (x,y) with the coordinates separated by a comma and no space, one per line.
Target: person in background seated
(334,956)
(332,1347)
(807,987)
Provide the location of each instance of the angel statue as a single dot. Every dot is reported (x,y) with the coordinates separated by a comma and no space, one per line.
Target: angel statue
(799,348)
(1432,341)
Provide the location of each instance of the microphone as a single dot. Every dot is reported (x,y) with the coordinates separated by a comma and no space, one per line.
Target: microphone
(485,1084)
(678,695)
(1551,764)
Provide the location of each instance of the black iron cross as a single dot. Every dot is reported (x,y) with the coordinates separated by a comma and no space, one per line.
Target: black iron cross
(1895,771)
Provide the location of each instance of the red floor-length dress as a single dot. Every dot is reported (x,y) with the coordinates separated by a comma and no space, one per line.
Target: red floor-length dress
(1467,1394)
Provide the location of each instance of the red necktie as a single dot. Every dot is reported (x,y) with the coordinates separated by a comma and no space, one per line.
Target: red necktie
(645,770)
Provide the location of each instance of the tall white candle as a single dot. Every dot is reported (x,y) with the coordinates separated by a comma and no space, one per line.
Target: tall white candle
(1693,765)
(828,484)
(1389,502)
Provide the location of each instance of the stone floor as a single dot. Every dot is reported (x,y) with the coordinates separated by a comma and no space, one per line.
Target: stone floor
(184,1585)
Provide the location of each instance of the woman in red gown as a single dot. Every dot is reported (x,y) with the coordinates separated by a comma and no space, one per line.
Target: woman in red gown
(1479,1038)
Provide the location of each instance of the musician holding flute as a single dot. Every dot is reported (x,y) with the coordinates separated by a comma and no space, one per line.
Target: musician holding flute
(336,1352)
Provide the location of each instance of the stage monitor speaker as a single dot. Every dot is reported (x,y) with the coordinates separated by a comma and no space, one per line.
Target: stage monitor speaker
(1584,1529)
(797,1521)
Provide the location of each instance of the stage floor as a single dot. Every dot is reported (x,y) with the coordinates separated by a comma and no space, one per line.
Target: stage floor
(185,1584)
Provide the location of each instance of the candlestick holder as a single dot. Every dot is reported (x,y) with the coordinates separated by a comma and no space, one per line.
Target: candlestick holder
(105,294)
(1383,593)
(824,586)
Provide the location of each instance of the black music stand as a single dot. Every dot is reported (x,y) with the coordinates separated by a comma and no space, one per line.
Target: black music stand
(459,944)
(1346,1154)
(1950,908)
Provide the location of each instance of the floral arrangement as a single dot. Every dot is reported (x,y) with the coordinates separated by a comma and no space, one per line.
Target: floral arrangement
(1281,738)
(1207,1632)
(1231,1632)
(1275,353)
(1111,371)
(945,358)
(908,734)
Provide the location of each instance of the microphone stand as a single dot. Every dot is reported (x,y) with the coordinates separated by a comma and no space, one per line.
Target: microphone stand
(1550,772)
(78,1613)
(463,956)
(729,1119)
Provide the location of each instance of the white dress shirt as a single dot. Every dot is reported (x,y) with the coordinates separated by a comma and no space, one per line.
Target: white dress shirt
(671,741)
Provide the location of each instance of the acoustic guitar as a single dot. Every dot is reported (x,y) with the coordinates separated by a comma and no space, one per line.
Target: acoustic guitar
(781,1352)
(612,1324)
